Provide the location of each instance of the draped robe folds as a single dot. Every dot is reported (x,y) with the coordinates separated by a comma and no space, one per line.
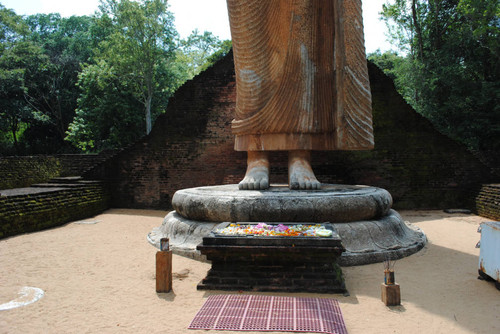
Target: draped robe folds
(301,75)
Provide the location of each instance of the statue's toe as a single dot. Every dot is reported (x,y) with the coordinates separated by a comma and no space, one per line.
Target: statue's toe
(243,185)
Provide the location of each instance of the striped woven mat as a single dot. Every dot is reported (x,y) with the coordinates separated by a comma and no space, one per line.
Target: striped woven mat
(270,313)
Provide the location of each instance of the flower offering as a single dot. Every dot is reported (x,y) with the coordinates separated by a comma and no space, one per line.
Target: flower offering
(280,230)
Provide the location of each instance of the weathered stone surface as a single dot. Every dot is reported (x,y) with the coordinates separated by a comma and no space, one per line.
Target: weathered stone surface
(333,203)
(374,241)
(368,241)
(184,234)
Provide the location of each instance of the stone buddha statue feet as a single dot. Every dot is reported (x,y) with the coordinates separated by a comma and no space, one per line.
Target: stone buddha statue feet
(257,174)
(300,173)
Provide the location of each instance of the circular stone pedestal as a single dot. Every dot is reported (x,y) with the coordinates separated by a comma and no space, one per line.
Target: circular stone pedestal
(370,231)
(333,203)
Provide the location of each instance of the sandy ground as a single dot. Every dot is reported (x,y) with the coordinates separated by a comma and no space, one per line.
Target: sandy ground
(99,278)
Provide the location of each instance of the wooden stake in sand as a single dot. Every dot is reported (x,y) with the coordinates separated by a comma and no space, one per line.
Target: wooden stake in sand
(164,267)
(391,294)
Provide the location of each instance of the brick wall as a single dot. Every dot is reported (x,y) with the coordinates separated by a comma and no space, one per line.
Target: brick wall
(488,201)
(25,210)
(191,145)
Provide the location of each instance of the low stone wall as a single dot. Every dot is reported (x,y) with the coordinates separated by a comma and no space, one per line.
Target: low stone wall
(37,208)
(18,172)
(23,171)
(488,201)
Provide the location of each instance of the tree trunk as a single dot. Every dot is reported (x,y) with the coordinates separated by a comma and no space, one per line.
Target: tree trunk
(436,31)
(418,29)
(13,129)
(148,113)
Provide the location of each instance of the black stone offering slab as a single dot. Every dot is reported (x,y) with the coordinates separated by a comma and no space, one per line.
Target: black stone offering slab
(276,263)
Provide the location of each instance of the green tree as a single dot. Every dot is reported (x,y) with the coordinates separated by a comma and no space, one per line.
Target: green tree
(108,116)
(11,76)
(19,65)
(21,61)
(67,42)
(144,41)
(12,27)
(198,52)
(93,80)
(451,70)
(131,76)
(13,110)
(44,54)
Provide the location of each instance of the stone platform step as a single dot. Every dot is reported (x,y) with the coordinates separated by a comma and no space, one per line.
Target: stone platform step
(66,183)
(362,216)
(332,203)
(66,179)
(57,185)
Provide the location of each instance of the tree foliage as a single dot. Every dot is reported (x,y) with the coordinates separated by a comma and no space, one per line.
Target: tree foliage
(40,61)
(107,116)
(144,40)
(200,51)
(98,82)
(21,67)
(21,61)
(131,73)
(451,70)
(67,43)
(137,67)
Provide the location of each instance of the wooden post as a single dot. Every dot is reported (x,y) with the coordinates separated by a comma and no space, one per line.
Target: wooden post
(391,294)
(164,271)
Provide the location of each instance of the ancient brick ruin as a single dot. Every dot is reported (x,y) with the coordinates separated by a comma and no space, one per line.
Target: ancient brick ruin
(191,145)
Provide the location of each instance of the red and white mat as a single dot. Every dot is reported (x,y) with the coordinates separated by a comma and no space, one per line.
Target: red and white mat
(270,313)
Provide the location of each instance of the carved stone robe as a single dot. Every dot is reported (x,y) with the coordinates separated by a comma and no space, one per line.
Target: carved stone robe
(301,75)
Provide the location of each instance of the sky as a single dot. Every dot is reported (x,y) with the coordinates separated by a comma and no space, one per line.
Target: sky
(205,15)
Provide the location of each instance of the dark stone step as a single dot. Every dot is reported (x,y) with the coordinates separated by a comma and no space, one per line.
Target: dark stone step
(66,179)
(57,185)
